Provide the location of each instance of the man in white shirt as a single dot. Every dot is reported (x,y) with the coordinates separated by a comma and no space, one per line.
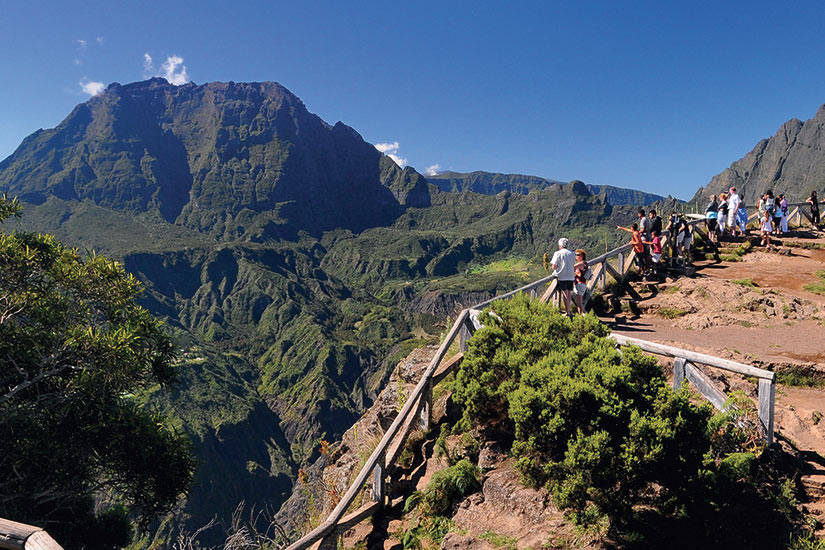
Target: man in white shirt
(563,262)
(733,208)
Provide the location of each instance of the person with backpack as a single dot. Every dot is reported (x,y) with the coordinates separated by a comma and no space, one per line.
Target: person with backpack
(583,274)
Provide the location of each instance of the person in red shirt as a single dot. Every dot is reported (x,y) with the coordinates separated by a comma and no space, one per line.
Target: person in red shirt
(638,244)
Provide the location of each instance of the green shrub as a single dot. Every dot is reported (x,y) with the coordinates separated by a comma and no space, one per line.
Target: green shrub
(596,426)
(671,312)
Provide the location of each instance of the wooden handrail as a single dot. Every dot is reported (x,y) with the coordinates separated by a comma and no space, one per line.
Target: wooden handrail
(694,357)
(19,536)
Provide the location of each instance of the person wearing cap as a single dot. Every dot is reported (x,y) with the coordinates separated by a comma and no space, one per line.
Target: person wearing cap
(563,263)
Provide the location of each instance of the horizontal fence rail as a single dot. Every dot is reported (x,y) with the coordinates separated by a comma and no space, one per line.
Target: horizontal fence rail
(417,410)
(685,367)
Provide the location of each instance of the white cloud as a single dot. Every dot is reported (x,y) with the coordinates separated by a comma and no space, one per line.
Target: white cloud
(174,71)
(81,44)
(391,150)
(148,66)
(433,170)
(99,40)
(90,87)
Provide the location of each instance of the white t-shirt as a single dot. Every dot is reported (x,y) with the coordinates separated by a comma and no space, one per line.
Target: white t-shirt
(564,260)
(733,204)
(767,225)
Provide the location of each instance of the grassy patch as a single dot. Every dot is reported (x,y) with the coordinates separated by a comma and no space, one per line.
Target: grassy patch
(818,287)
(745,282)
(800,376)
(671,312)
(672,289)
(499,541)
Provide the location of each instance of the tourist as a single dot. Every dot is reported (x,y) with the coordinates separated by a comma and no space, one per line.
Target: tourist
(742,216)
(655,244)
(638,245)
(644,229)
(563,262)
(777,216)
(712,215)
(767,228)
(814,202)
(582,274)
(783,206)
(679,233)
(770,206)
(733,209)
(723,213)
(655,222)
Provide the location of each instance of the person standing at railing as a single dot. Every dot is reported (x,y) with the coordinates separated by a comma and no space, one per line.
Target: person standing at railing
(733,211)
(742,216)
(777,216)
(712,215)
(723,213)
(582,273)
(563,263)
(638,245)
(655,222)
(656,251)
(783,206)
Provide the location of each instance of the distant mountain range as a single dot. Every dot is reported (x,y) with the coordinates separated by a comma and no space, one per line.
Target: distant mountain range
(489,183)
(790,162)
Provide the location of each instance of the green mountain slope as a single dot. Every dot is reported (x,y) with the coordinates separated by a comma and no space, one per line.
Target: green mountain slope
(489,183)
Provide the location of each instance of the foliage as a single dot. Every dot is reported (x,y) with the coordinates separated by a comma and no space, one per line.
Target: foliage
(73,347)
(596,426)
(806,541)
(448,486)
(748,282)
(818,287)
(671,312)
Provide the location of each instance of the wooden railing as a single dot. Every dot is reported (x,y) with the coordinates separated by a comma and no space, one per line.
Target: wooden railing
(417,410)
(19,536)
(685,369)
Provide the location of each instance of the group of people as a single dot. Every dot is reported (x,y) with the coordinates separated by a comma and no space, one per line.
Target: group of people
(647,241)
(726,213)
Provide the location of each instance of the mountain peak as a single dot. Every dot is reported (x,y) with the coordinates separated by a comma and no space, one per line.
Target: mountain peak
(227,158)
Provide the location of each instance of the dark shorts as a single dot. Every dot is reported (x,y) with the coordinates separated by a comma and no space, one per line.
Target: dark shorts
(565,285)
(711,225)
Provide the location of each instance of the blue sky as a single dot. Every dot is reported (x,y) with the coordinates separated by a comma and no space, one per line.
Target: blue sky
(657,96)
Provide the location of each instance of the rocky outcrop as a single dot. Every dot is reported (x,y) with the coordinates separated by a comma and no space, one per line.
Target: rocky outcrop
(790,162)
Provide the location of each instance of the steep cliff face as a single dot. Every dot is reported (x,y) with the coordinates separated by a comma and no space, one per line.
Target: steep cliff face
(790,162)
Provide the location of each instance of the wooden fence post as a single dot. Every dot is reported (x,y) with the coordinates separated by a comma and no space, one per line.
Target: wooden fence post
(463,335)
(426,408)
(767,394)
(378,475)
(330,541)
(678,372)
